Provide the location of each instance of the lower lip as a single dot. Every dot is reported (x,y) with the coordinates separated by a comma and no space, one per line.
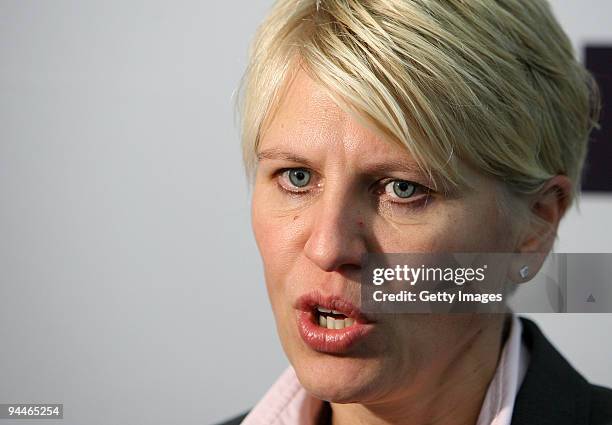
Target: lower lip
(333,341)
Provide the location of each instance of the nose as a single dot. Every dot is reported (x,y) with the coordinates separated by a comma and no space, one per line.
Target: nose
(337,233)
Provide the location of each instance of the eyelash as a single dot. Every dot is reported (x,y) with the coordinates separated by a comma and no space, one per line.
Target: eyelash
(411,201)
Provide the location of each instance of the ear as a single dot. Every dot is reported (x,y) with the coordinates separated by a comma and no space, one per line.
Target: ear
(548,206)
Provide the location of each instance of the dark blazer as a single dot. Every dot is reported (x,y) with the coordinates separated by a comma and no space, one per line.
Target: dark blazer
(552,392)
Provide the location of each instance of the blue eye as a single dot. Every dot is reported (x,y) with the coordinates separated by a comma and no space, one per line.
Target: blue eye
(400,188)
(299,177)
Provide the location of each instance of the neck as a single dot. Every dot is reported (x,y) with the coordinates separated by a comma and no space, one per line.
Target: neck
(450,395)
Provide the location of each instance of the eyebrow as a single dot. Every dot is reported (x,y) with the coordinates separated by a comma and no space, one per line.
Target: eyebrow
(282,155)
(394,165)
(374,168)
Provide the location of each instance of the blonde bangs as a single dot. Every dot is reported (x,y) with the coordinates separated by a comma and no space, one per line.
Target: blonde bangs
(494,84)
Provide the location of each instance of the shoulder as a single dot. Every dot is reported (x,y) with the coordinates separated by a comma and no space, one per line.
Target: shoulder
(601,405)
(236,420)
(553,392)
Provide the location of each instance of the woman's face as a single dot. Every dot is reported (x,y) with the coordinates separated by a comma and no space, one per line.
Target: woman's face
(328,190)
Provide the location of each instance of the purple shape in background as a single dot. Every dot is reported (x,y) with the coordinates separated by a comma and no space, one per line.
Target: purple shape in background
(598,171)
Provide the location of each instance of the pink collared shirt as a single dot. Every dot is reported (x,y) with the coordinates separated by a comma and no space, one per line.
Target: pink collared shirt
(288,403)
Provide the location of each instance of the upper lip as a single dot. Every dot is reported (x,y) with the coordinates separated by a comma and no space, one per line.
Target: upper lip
(310,301)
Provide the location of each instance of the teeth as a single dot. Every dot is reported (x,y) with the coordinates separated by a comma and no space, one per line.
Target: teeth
(331,323)
(326,310)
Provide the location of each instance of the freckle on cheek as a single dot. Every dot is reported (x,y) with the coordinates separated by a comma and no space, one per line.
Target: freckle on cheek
(295,218)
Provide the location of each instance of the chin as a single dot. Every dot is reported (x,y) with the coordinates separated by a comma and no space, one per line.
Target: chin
(339,379)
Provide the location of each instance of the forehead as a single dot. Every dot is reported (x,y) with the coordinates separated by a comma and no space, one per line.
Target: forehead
(308,120)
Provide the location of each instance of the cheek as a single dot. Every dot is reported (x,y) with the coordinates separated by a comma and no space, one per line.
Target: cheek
(482,227)
(275,228)
(451,227)
(474,231)
(277,238)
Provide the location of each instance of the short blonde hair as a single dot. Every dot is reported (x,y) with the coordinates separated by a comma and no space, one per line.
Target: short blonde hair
(494,83)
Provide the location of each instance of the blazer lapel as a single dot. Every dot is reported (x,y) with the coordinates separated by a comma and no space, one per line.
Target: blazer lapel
(552,392)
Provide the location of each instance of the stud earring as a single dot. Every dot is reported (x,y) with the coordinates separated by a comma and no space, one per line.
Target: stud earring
(524,271)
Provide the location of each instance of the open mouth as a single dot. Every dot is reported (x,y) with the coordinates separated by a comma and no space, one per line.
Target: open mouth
(332,319)
(331,324)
